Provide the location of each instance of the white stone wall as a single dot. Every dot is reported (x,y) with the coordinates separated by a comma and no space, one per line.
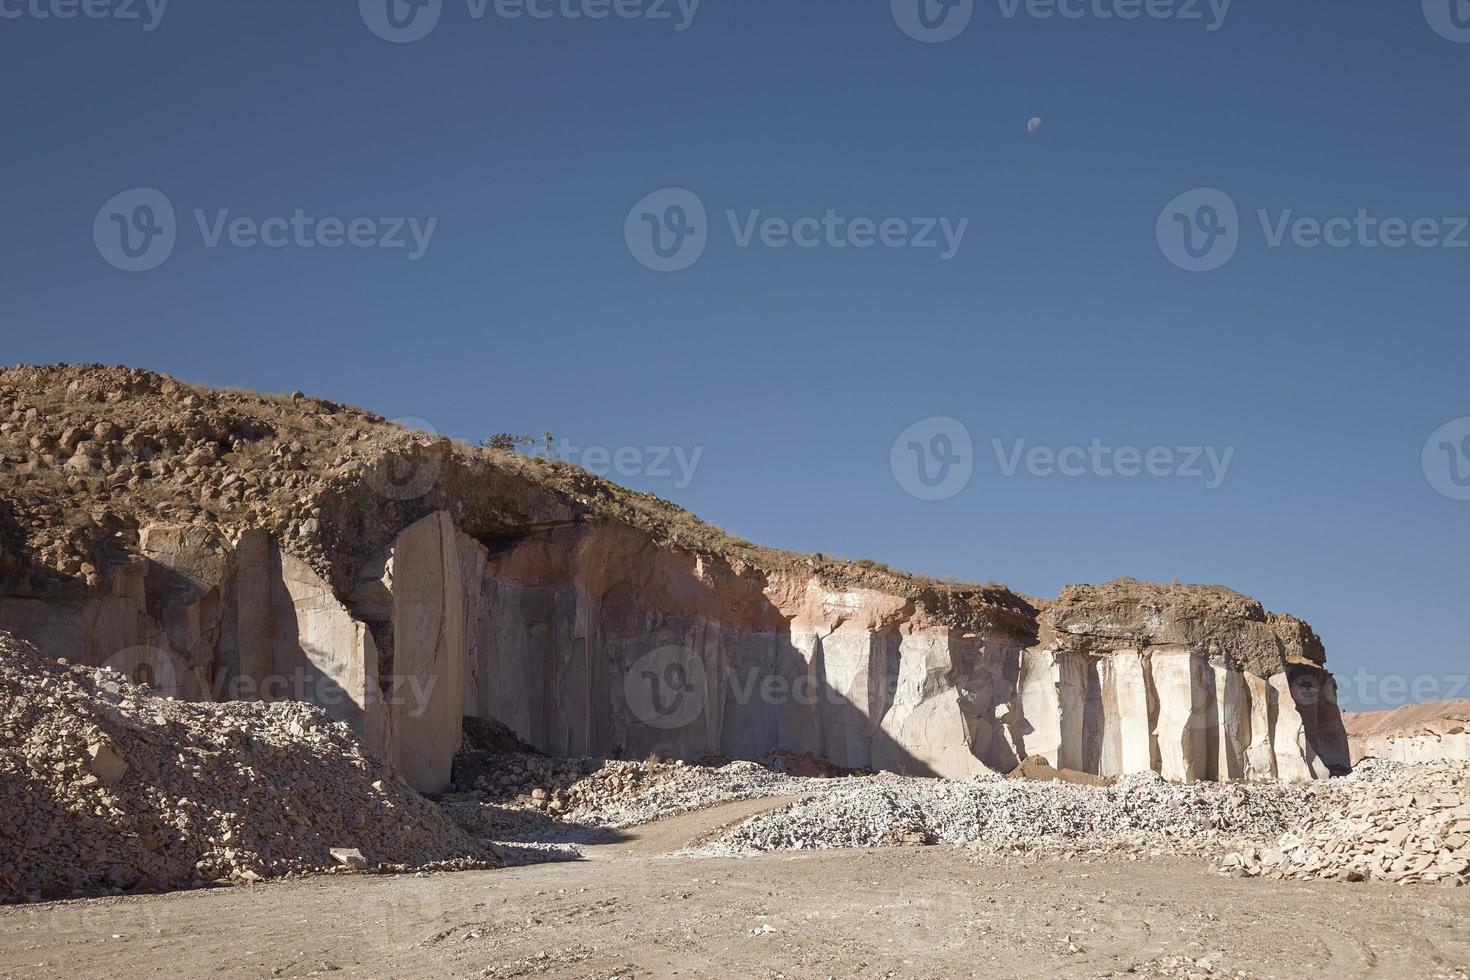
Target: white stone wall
(434,633)
(1424,747)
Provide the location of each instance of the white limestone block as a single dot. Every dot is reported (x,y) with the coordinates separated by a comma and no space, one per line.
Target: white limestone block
(1183,726)
(1041,707)
(1136,710)
(1295,761)
(428,646)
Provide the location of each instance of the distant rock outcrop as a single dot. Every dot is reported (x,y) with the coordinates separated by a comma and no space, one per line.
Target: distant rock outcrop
(225,545)
(1435,731)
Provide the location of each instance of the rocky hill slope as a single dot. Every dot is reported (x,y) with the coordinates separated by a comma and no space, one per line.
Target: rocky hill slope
(231,546)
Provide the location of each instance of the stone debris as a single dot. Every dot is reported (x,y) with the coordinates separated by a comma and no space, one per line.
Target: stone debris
(105,763)
(1388,821)
(539,808)
(106,787)
(349,857)
(545,808)
(1403,824)
(550,784)
(1141,814)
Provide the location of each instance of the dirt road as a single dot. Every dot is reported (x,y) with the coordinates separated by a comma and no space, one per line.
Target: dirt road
(633,911)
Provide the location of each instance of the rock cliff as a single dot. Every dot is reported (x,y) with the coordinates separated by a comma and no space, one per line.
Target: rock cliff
(231,546)
(1435,731)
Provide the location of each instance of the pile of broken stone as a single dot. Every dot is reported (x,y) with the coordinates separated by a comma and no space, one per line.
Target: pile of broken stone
(555,786)
(1140,815)
(106,787)
(530,807)
(1403,824)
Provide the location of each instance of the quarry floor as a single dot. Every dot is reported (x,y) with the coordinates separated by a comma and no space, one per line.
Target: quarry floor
(634,910)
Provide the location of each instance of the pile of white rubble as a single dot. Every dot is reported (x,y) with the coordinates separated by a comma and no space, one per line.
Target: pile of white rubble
(1138,814)
(1408,824)
(105,787)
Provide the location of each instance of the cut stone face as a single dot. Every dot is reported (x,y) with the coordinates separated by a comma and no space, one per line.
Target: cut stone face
(592,640)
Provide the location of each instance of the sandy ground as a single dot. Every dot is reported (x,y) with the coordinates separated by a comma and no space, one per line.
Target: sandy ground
(632,910)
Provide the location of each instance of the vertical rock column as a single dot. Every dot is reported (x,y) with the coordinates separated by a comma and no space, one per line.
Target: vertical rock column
(1232,698)
(426,686)
(1180,730)
(1137,709)
(1039,731)
(1295,760)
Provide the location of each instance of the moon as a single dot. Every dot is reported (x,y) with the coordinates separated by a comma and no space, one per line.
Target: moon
(1033,124)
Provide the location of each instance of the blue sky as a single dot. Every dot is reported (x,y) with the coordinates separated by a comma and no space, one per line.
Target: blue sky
(526,150)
